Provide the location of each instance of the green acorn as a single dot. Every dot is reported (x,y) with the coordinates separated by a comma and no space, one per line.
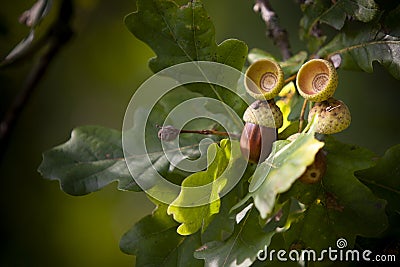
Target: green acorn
(333,116)
(262,120)
(264,79)
(317,80)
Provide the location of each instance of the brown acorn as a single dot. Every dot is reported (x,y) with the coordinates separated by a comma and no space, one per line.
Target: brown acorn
(314,173)
(264,79)
(260,131)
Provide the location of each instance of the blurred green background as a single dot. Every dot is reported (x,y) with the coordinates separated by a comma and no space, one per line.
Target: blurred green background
(91,82)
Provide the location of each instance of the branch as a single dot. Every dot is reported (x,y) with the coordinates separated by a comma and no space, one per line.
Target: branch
(274,31)
(58,35)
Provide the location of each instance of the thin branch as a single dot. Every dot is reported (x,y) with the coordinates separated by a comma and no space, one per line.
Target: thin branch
(303,111)
(59,34)
(274,31)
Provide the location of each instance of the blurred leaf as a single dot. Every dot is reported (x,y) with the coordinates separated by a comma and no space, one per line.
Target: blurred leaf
(289,66)
(257,54)
(248,238)
(224,160)
(90,160)
(340,205)
(362,44)
(384,178)
(233,53)
(281,169)
(155,242)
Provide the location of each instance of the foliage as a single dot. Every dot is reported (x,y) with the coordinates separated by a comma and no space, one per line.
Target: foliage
(277,210)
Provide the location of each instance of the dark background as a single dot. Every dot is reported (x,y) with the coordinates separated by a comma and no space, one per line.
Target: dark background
(91,82)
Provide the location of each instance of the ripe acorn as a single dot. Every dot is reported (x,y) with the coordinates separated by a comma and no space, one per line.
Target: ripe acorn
(262,120)
(264,79)
(333,116)
(316,170)
(317,80)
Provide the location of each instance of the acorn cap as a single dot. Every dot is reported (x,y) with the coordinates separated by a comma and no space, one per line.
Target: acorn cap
(333,116)
(264,113)
(317,80)
(264,79)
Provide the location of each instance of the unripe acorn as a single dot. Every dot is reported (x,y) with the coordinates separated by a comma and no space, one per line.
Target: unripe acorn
(333,116)
(262,120)
(264,79)
(317,80)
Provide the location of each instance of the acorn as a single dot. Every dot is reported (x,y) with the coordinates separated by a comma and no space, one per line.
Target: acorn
(316,170)
(333,116)
(264,79)
(260,131)
(317,80)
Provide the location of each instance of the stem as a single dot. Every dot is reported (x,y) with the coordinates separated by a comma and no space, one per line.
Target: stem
(303,110)
(211,132)
(290,79)
(58,35)
(278,34)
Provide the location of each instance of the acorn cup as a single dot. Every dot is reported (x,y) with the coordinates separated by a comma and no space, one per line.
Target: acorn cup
(264,79)
(317,80)
(333,116)
(262,120)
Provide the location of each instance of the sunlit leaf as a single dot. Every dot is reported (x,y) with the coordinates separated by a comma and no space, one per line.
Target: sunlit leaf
(281,170)
(226,161)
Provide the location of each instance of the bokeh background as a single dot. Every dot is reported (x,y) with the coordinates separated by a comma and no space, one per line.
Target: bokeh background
(91,82)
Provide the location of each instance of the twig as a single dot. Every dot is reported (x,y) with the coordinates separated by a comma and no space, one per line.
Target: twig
(290,79)
(278,34)
(58,35)
(303,110)
(211,132)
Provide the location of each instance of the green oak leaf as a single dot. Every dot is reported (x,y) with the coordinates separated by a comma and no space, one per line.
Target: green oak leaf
(93,157)
(224,161)
(340,206)
(361,44)
(155,242)
(90,160)
(289,66)
(384,178)
(333,14)
(249,237)
(183,33)
(278,172)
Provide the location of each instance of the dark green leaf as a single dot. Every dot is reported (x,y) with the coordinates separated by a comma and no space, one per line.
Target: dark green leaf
(179,34)
(249,237)
(339,207)
(155,242)
(333,13)
(90,160)
(361,44)
(384,178)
